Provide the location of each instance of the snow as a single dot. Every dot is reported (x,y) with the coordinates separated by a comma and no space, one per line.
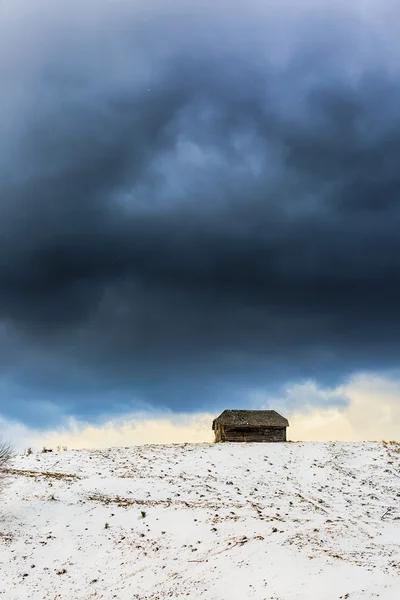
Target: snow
(309,521)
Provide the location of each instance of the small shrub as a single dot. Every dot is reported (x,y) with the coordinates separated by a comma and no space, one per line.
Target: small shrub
(6,454)
(143,514)
(106,526)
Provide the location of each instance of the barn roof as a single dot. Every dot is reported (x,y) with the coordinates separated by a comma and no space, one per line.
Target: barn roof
(251,418)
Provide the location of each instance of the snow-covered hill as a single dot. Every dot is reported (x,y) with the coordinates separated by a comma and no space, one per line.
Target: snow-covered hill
(309,521)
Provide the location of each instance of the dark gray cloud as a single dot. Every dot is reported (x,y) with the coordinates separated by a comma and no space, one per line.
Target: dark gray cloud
(195,204)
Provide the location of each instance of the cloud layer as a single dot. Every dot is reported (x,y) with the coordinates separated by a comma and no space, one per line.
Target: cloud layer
(365,408)
(195,203)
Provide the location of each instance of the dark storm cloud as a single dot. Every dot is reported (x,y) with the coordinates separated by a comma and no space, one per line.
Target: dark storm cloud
(190,205)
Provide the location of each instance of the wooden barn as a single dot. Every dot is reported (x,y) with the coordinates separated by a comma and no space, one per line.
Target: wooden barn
(250,426)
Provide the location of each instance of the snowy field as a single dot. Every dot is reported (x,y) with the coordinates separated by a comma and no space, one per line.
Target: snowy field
(309,521)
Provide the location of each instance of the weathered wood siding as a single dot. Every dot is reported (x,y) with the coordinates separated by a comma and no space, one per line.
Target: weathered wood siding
(245,434)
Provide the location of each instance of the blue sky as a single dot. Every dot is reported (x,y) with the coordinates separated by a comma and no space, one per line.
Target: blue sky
(199,206)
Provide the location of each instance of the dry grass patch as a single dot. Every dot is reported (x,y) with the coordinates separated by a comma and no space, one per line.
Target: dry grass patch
(46,474)
(125,502)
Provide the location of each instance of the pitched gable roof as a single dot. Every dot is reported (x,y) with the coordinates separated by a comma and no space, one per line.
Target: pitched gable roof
(251,418)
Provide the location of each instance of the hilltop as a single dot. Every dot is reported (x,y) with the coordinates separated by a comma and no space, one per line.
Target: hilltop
(306,521)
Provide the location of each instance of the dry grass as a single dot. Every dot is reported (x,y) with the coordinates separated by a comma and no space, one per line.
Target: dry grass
(36,474)
(126,502)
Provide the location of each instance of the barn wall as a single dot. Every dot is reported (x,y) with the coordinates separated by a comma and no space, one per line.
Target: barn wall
(220,434)
(261,434)
(217,433)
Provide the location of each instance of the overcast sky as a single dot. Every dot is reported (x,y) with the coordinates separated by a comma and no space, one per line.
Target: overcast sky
(199,204)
